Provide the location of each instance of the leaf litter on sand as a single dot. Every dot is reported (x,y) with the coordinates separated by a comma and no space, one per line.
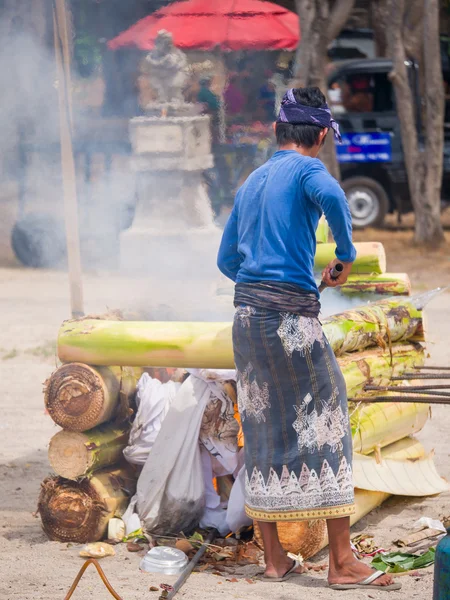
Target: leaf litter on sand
(185,546)
(224,556)
(402,562)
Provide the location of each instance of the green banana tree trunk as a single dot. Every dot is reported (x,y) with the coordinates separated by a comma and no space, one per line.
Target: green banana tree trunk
(73,454)
(209,345)
(370,258)
(391,284)
(377,366)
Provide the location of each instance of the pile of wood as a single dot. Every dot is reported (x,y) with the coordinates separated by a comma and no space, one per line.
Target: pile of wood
(93,483)
(93,404)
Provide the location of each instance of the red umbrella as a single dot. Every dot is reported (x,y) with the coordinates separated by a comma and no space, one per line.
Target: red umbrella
(207,24)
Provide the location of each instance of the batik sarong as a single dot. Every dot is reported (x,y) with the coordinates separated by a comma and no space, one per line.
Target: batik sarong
(293,406)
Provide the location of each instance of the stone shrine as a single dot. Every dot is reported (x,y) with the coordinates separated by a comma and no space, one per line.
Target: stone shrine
(173,232)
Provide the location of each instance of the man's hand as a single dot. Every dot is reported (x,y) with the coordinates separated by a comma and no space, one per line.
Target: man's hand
(343,275)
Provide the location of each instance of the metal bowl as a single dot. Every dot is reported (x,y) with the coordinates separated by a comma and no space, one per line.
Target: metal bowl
(162,559)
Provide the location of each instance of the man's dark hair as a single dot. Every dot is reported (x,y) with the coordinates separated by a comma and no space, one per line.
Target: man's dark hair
(302,135)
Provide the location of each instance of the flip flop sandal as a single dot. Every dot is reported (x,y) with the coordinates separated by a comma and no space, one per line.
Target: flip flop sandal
(288,575)
(367,584)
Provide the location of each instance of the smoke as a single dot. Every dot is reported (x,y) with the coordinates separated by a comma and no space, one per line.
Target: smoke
(175,283)
(30,154)
(177,278)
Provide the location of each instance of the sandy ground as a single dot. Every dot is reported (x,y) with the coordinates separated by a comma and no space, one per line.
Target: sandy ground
(32,306)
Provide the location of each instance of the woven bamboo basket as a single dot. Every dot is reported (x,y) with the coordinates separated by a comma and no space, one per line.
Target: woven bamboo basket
(301,537)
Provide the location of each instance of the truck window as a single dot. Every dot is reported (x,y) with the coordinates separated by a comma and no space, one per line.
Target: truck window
(361,93)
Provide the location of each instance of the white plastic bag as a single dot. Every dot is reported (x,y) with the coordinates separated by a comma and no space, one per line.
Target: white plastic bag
(170,490)
(153,399)
(214,514)
(236,516)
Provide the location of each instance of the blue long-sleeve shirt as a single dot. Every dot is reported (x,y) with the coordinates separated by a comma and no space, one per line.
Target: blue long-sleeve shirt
(271,232)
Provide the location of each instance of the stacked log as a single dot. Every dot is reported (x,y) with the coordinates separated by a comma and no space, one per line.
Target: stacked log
(79,397)
(92,482)
(79,511)
(73,454)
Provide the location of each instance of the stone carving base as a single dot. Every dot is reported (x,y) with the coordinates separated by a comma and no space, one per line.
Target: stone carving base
(173,232)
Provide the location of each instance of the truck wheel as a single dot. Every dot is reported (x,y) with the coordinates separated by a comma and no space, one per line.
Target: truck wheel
(368,201)
(38,241)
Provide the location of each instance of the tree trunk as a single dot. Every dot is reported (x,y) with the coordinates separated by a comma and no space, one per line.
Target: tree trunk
(389,284)
(376,367)
(405,100)
(379,18)
(428,221)
(319,25)
(207,345)
(79,511)
(72,454)
(371,257)
(423,165)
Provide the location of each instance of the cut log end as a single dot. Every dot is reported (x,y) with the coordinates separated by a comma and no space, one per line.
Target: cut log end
(68,454)
(70,512)
(79,397)
(73,454)
(79,511)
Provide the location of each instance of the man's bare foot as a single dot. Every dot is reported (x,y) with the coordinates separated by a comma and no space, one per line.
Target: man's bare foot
(354,571)
(273,571)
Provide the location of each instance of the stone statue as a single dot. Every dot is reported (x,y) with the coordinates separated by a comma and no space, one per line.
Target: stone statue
(169,70)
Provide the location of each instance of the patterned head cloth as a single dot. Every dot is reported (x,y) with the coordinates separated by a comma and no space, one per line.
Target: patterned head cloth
(299,114)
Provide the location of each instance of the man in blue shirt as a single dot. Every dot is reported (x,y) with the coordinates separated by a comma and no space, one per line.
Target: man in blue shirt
(291,392)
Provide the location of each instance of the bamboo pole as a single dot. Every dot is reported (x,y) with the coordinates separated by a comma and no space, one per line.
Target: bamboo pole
(79,511)
(430,399)
(420,376)
(62,53)
(74,454)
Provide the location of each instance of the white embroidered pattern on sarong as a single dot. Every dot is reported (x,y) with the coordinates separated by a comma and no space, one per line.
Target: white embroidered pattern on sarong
(243,314)
(299,334)
(315,430)
(310,490)
(252,398)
